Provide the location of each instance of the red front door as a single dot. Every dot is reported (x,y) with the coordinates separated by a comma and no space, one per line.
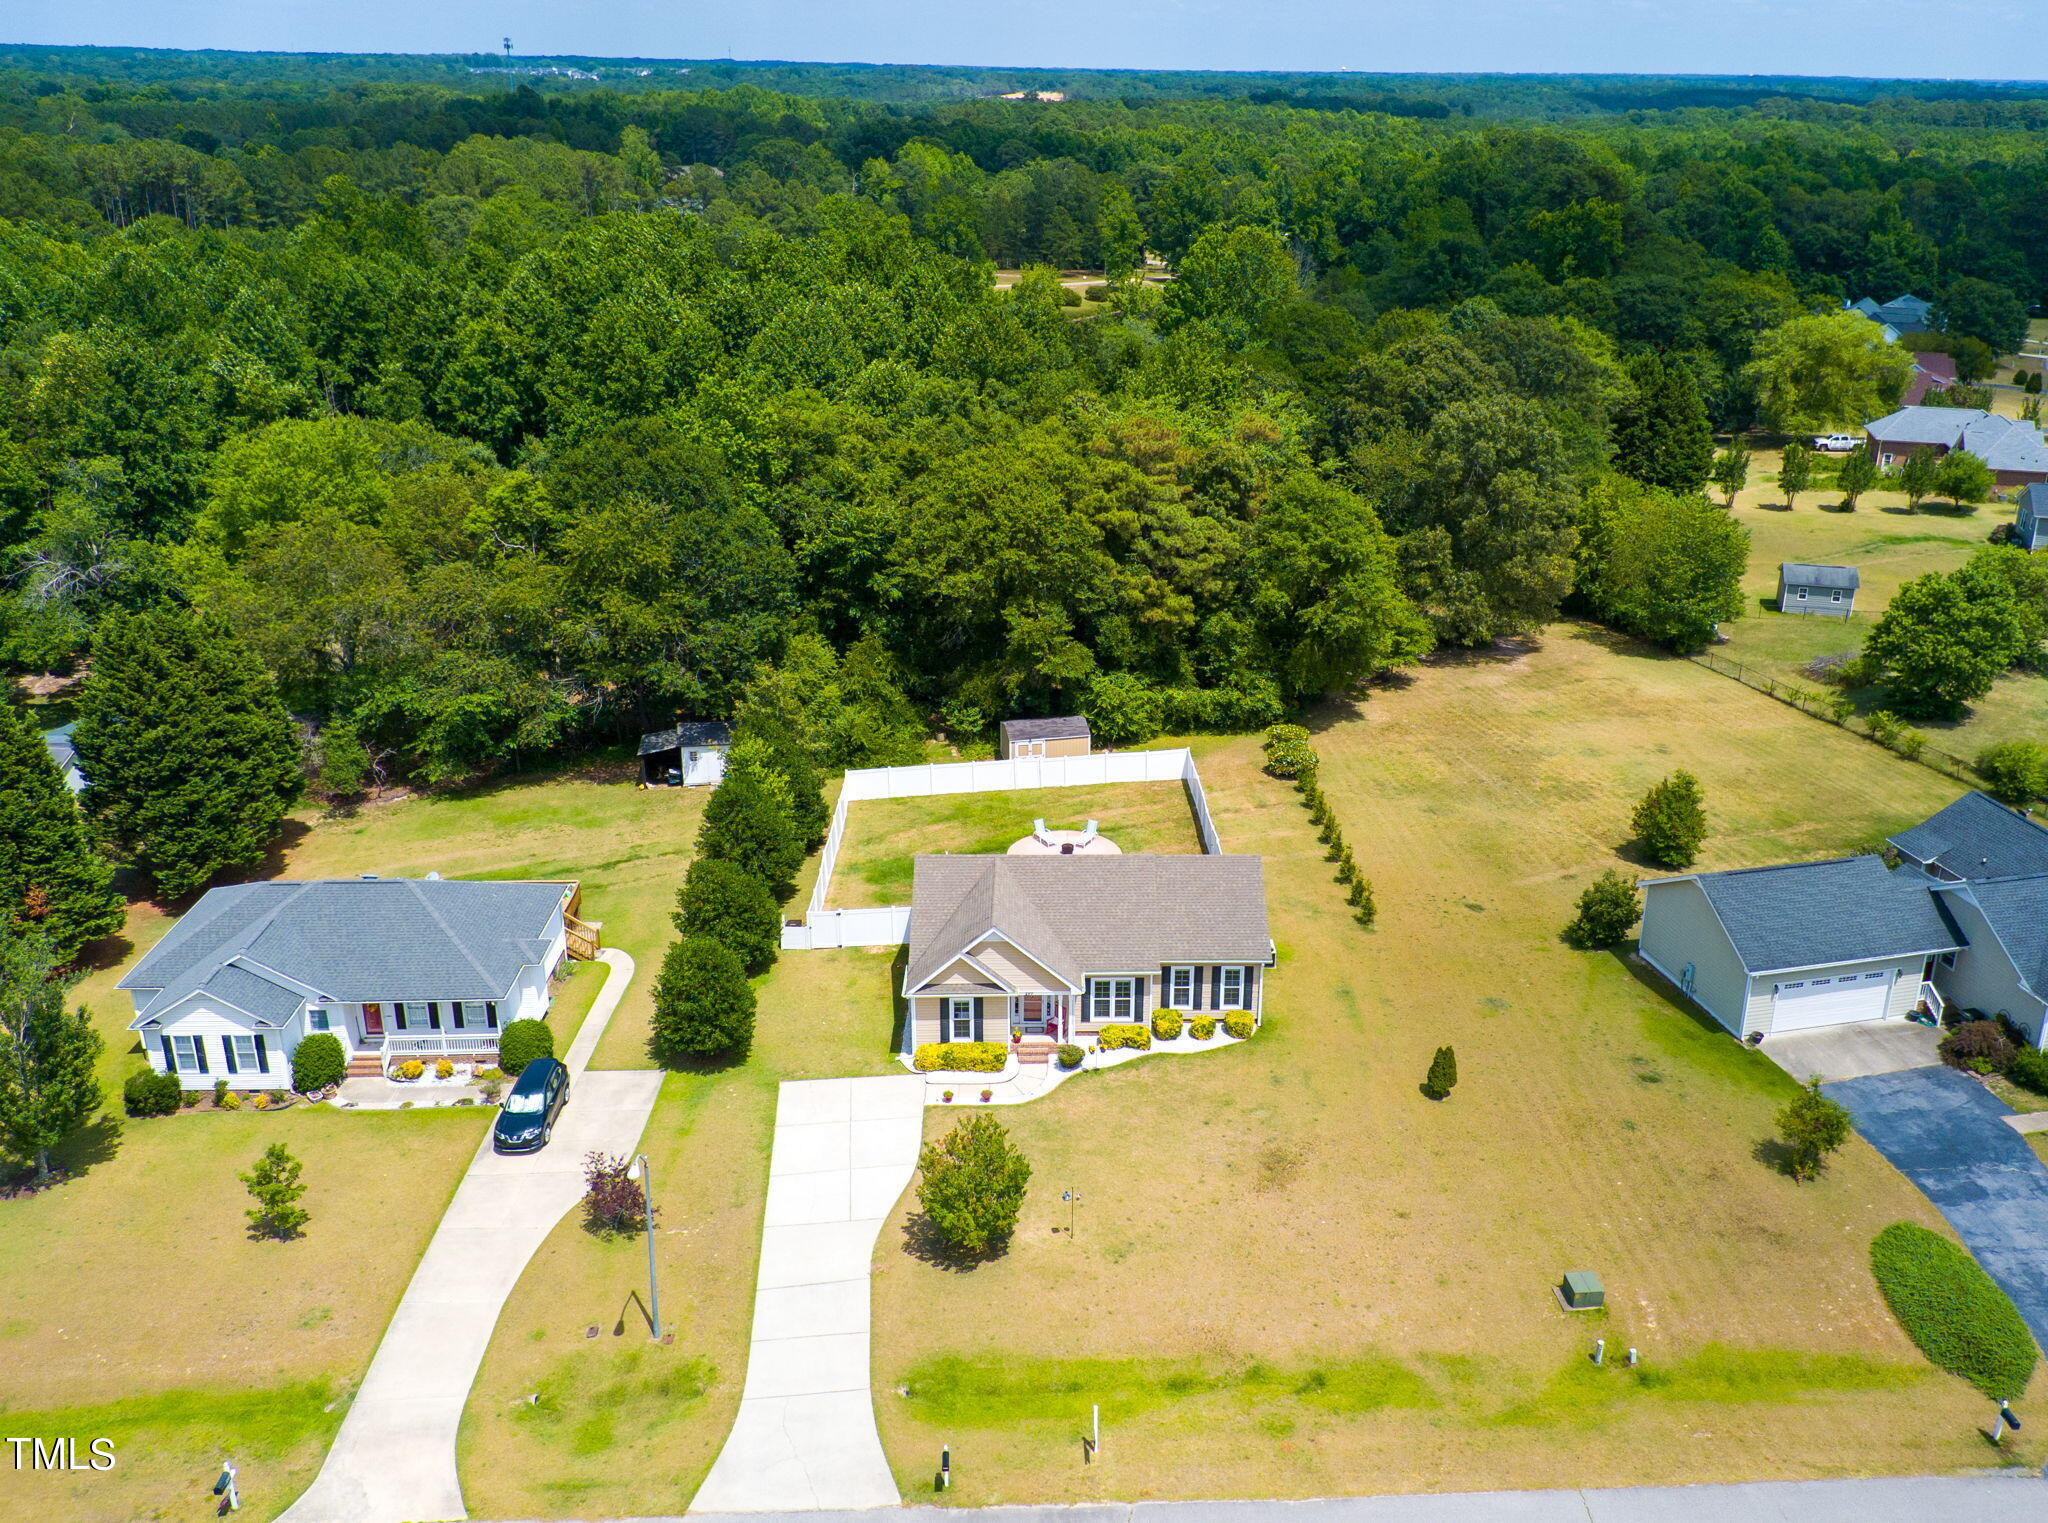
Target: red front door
(373,1020)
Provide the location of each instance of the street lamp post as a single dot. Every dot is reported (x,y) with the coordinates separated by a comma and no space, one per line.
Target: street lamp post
(645,1176)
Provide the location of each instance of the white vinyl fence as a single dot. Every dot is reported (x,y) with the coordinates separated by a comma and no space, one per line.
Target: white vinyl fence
(824,927)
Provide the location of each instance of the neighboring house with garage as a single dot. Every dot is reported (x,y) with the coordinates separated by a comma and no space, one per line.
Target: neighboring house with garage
(1961,920)
(1049,949)
(1064,736)
(2030,524)
(691,755)
(395,968)
(1806,588)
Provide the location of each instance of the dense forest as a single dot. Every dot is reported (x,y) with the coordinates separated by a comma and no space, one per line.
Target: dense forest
(496,421)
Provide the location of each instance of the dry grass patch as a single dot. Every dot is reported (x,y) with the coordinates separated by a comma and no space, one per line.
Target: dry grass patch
(1292,1208)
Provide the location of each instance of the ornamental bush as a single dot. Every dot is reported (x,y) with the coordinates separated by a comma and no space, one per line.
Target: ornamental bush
(317,1062)
(1608,911)
(960,1057)
(612,1202)
(726,902)
(1202,1027)
(703,1004)
(1953,1310)
(1443,1074)
(150,1093)
(2029,1070)
(1289,752)
(411,1069)
(521,1042)
(1124,1034)
(1240,1025)
(1166,1024)
(1979,1047)
(971,1187)
(1068,1056)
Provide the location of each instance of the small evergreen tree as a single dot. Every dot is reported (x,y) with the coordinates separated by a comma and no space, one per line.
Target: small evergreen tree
(1607,912)
(275,1184)
(1919,477)
(748,823)
(52,879)
(524,1042)
(48,1089)
(1857,475)
(1364,908)
(703,1004)
(1289,752)
(1730,472)
(317,1062)
(1661,434)
(1671,821)
(344,761)
(189,758)
(971,1187)
(724,901)
(775,741)
(1795,472)
(1443,1074)
(1812,1126)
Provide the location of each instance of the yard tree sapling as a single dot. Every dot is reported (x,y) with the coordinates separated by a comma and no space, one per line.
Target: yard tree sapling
(1856,475)
(971,1187)
(1443,1074)
(1671,821)
(1811,1127)
(276,1186)
(1730,471)
(48,1088)
(1919,477)
(1795,471)
(1608,910)
(52,878)
(724,901)
(612,1202)
(703,1004)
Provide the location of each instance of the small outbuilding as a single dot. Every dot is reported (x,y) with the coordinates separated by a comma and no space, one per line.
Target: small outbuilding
(689,756)
(1067,736)
(1804,588)
(1581,1290)
(2030,526)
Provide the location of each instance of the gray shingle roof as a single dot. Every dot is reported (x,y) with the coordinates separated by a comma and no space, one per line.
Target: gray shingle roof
(1081,915)
(1814,913)
(1977,837)
(691,732)
(350,940)
(2004,444)
(1806,574)
(1066,727)
(2018,911)
(1923,425)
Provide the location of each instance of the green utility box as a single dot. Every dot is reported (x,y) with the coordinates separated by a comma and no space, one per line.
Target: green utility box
(1582,1291)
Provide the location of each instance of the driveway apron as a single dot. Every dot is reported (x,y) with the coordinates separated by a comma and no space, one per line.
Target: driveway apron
(1947,1133)
(394,1459)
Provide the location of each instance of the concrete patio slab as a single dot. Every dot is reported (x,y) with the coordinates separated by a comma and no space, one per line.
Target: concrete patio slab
(1855,1051)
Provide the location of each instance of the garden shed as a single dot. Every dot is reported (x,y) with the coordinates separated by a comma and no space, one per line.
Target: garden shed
(1064,736)
(690,755)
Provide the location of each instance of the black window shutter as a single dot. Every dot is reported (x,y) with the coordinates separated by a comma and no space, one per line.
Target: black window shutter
(455,1009)
(398,1014)
(491,1014)
(978,1028)
(170,1054)
(227,1051)
(199,1051)
(1216,987)
(433,1016)
(1165,984)
(1138,998)
(262,1054)
(1251,974)
(1196,1002)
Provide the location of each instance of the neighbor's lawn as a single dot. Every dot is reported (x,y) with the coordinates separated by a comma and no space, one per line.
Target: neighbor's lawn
(882,835)
(1294,1276)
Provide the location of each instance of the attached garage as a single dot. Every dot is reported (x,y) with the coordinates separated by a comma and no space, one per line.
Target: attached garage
(1801,1004)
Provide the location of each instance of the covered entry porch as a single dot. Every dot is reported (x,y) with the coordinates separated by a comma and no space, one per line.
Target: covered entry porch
(1006,1017)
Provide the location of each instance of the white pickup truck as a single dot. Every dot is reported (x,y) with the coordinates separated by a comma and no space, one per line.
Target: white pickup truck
(1836,444)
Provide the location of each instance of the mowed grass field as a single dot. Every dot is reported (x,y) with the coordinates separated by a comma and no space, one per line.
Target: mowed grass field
(883,835)
(132,1302)
(1889,545)
(1295,1276)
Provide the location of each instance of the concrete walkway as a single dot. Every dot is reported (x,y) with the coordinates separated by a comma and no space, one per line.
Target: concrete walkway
(394,1459)
(805,1437)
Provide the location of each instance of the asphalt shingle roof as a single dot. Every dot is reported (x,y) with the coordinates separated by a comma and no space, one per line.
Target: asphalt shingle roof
(691,732)
(1066,727)
(2018,911)
(1806,574)
(350,940)
(1081,915)
(1813,913)
(1977,837)
(2004,444)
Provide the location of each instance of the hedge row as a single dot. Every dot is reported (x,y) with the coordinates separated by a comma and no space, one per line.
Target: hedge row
(1290,754)
(1953,1310)
(961,1057)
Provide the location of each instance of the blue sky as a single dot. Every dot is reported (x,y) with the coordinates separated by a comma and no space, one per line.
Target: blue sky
(1978,39)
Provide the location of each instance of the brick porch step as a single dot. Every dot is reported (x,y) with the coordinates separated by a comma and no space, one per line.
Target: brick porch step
(360,1067)
(1036,1050)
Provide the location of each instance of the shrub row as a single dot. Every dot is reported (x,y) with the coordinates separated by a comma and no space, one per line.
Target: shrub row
(1953,1310)
(1289,754)
(961,1057)
(1123,1034)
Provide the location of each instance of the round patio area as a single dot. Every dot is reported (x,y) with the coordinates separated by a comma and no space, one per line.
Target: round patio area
(1065,843)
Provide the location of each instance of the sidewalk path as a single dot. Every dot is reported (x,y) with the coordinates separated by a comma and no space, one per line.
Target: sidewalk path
(394,1459)
(805,1437)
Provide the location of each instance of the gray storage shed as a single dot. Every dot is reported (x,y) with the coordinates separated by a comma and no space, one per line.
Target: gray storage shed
(1804,588)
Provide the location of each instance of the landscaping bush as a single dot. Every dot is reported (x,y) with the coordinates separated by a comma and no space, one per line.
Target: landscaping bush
(1202,1028)
(1124,1034)
(1443,1074)
(1608,911)
(1670,822)
(612,1202)
(152,1094)
(726,902)
(960,1057)
(1166,1024)
(317,1062)
(703,1004)
(1979,1047)
(1068,1056)
(2029,1070)
(1953,1310)
(411,1069)
(227,1100)
(971,1187)
(444,1069)
(1289,752)
(220,1090)
(260,1102)
(521,1042)
(1239,1025)
(2014,771)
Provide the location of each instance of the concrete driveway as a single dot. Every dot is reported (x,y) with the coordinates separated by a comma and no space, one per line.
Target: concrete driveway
(394,1458)
(1854,1051)
(1947,1133)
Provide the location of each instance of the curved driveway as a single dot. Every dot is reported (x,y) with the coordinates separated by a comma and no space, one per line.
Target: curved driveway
(394,1459)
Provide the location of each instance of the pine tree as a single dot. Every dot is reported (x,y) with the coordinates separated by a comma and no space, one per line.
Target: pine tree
(1671,821)
(51,877)
(748,823)
(1443,1074)
(48,1088)
(724,901)
(276,1186)
(703,1004)
(1661,435)
(190,759)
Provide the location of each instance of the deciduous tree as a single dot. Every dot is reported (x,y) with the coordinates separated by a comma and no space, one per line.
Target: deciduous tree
(275,1184)
(971,1187)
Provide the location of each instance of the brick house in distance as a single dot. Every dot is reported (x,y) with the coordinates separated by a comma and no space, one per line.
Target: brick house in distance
(2015,450)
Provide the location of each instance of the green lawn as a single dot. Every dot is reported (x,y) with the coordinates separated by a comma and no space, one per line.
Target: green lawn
(883,835)
(1294,1276)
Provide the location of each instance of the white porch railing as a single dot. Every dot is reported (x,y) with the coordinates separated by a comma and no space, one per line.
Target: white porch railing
(439,1043)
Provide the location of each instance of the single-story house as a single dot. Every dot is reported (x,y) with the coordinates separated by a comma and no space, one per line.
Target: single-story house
(65,755)
(1902,314)
(2013,448)
(1960,921)
(690,755)
(1804,588)
(396,968)
(2030,527)
(1050,949)
(1066,736)
(1929,371)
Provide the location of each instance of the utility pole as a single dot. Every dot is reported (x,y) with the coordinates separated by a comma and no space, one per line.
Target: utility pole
(645,1175)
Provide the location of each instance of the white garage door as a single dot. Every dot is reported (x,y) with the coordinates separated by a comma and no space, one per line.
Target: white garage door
(1830,1001)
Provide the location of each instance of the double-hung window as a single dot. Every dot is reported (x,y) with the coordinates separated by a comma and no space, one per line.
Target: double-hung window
(1230,989)
(316,1018)
(242,1049)
(960,1018)
(1180,988)
(1112,999)
(191,1059)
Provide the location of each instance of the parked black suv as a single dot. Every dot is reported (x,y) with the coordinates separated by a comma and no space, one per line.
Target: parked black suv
(527,1118)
